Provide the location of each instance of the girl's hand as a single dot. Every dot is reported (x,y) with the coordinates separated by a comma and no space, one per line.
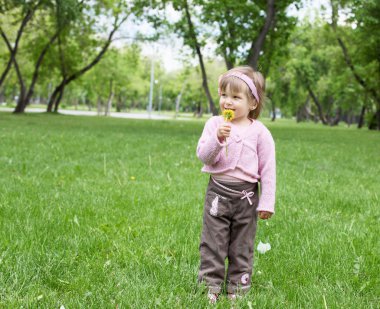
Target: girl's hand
(224,131)
(265,215)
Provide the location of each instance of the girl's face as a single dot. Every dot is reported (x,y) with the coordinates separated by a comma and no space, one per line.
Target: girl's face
(238,102)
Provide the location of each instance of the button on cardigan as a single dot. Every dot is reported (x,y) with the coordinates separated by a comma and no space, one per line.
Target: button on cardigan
(251,157)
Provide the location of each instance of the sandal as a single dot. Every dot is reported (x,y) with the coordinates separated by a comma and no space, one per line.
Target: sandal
(233,296)
(212,297)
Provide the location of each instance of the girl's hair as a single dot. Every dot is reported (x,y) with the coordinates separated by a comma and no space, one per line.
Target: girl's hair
(237,85)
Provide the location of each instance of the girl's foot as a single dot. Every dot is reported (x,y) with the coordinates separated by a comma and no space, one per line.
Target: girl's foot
(212,297)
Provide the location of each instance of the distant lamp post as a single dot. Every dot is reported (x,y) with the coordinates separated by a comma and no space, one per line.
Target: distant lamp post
(160,99)
(151,89)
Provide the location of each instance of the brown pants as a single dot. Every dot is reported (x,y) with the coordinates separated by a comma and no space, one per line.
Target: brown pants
(229,229)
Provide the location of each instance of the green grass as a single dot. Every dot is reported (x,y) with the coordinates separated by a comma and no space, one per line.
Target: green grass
(99,212)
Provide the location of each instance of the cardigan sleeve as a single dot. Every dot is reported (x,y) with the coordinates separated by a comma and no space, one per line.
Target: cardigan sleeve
(209,146)
(267,171)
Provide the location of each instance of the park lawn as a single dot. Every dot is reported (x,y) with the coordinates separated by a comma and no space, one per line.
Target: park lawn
(107,213)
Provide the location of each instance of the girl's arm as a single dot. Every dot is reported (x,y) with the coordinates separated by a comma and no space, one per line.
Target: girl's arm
(209,146)
(267,171)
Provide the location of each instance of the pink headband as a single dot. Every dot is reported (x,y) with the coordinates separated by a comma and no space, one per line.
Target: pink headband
(244,78)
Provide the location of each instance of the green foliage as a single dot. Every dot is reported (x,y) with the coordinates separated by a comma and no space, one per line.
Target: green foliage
(67,11)
(322,69)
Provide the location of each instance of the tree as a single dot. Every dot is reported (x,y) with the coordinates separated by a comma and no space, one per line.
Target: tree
(366,18)
(27,10)
(44,12)
(119,12)
(318,75)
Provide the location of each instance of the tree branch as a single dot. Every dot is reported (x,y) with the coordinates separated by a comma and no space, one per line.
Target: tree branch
(13,51)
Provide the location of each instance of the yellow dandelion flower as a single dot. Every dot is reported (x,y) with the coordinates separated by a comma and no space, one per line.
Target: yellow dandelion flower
(228,114)
(133,177)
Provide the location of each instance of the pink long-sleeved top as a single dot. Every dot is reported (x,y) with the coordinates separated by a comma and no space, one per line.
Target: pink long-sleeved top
(251,157)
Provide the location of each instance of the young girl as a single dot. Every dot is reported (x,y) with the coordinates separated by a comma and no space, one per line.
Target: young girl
(232,203)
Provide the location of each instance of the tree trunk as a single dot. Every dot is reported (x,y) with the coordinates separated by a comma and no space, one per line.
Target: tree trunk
(319,106)
(160,99)
(330,101)
(88,103)
(37,68)
(200,57)
(199,112)
(300,116)
(258,44)
(99,106)
(52,99)
(273,110)
(304,112)
(335,121)
(378,118)
(2,95)
(229,64)
(60,95)
(362,113)
(119,103)
(5,73)
(109,101)
(20,107)
(178,100)
(349,118)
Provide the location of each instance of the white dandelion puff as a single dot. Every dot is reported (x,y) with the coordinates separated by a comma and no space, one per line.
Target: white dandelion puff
(263,247)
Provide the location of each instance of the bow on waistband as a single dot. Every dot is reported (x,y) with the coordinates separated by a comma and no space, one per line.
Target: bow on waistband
(247,195)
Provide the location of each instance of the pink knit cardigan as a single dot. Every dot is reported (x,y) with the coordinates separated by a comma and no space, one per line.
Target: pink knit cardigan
(251,155)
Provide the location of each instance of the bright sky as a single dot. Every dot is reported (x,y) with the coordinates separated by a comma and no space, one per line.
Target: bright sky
(171,52)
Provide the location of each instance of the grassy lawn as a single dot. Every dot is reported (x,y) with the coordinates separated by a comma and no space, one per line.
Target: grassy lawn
(105,213)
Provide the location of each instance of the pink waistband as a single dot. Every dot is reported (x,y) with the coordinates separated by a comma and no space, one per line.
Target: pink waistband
(245,194)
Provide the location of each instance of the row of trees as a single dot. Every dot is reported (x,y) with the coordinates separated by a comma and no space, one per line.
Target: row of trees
(60,39)
(325,71)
